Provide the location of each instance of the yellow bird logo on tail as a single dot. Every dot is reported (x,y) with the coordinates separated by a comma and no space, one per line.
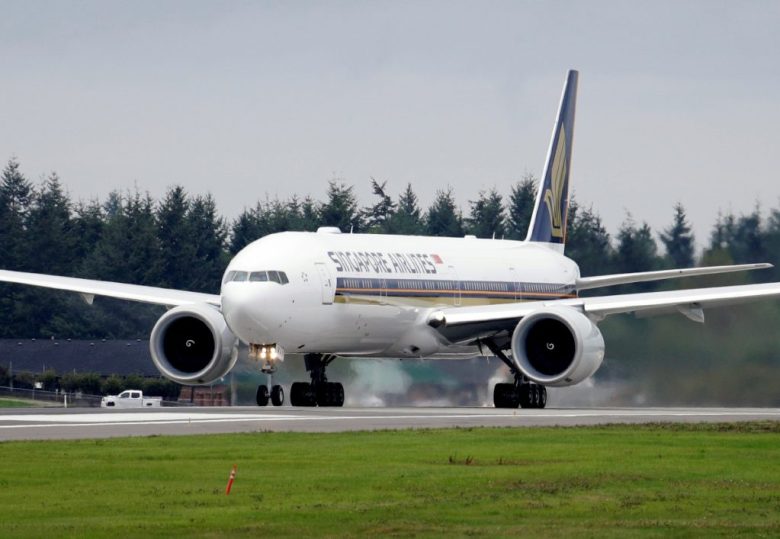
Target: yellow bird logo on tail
(554,194)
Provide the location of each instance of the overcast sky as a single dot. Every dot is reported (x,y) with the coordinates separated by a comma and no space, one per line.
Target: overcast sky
(678,101)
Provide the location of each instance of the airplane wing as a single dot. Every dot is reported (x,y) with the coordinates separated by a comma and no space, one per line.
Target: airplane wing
(89,288)
(585,283)
(687,302)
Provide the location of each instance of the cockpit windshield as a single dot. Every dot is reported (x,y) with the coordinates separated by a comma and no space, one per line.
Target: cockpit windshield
(256,276)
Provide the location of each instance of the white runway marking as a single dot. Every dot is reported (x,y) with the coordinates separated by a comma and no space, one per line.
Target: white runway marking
(37,421)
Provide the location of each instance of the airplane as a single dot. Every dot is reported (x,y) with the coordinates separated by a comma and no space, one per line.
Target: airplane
(328,294)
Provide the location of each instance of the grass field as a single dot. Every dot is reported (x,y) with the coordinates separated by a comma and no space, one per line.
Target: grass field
(615,481)
(14,403)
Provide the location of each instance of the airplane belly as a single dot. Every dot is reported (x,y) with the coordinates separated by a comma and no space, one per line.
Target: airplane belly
(345,329)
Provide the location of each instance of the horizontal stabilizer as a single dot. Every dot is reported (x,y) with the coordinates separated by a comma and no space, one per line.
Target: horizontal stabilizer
(586,283)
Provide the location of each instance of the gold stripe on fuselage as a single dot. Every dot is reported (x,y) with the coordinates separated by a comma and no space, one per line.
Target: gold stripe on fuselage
(436,301)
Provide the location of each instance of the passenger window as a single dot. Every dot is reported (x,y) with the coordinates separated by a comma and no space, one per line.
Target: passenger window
(240,276)
(258,276)
(283,277)
(274,276)
(135,395)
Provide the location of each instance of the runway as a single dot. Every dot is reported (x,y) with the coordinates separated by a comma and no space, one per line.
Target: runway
(48,424)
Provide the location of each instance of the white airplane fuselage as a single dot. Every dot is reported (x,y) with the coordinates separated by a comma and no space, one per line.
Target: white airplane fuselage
(370,295)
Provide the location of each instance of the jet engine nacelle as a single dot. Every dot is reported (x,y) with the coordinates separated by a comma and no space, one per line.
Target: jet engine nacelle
(557,347)
(192,345)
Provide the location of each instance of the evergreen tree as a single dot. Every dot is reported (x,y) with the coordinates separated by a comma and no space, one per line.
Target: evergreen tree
(772,247)
(678,239)
(245,229)
(15,198)
(209,232)
(270,217)
(129,249)
(741,239)
(723,232)
(748,242)
(176,240)
(587,241)
(310,215)
(379,216)
(341,208)
(87,226)
(407,218)
(521,208)
(303,215)
(636,248)
(50,247)
(486,219)
(50,230)
(443,217)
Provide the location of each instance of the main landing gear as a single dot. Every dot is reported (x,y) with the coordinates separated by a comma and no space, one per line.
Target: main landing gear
(522,392)
(319,392)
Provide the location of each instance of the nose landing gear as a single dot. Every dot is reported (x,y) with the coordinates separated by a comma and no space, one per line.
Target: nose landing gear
(267,356)
(276,396)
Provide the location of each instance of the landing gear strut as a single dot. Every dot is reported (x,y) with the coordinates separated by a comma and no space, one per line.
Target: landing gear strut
(319,392)
(522,392)
(268,356)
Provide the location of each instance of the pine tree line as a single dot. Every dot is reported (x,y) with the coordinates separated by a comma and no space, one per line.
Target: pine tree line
(183,242)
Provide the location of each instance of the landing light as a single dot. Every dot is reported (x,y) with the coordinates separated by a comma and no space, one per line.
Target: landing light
(267,355)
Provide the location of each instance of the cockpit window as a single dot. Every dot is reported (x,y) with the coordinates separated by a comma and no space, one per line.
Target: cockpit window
(258,276)
(273,276)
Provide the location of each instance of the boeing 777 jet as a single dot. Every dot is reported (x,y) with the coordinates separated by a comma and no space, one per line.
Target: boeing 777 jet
(329,294)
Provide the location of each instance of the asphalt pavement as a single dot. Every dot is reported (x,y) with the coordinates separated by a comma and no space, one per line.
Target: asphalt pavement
(55,424)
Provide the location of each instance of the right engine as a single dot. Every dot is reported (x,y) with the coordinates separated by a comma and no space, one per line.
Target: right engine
(557,346)
(192,345)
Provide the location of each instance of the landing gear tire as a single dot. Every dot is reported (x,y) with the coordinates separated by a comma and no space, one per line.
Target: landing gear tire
(533,396)
(542,396)
(262,395)
(319,392)
(524,395)
(277,395)
(301,394)
(505,396)
(330,394)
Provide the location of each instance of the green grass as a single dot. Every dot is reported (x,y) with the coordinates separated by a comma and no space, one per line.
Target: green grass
(14,403)
(614,481)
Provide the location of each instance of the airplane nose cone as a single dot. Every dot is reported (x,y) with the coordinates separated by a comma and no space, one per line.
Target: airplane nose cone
(248,310)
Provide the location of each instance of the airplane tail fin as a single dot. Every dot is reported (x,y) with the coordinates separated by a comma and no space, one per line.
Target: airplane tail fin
(548,222)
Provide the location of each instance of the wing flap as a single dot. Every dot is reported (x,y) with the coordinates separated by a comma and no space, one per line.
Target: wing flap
(89,288)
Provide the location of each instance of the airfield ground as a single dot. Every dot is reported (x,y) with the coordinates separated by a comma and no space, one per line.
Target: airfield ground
(623,480)
(17,403)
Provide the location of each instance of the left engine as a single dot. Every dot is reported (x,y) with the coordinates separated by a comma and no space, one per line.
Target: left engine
(192,345)
(557,347)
